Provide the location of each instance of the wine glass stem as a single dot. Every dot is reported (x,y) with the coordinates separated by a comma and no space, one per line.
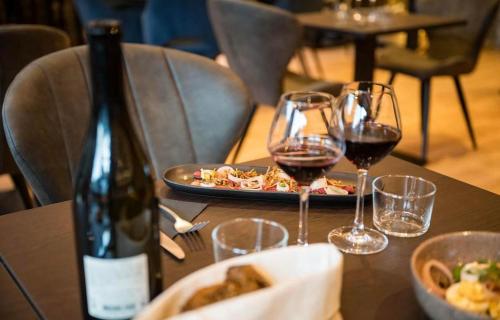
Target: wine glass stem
(303,216)
(359,227)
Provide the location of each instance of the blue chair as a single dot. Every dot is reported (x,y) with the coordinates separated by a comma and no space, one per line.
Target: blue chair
(129,16)
(180,24)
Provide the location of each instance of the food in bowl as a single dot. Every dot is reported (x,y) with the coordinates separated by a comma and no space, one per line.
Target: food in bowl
(473,286)
(274,179)
(239,280)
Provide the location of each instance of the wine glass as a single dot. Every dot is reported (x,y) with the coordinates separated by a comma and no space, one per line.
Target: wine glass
(370,119)
(301,146)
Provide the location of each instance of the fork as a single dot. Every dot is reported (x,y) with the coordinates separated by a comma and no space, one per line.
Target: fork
(181,225)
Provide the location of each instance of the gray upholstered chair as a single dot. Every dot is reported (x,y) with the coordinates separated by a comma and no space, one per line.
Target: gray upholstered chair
(313,38)
(20,45)
(259,40)
(185,107)
(452,52)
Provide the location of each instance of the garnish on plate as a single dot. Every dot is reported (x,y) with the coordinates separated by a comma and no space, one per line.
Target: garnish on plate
(274,179)
(473,286)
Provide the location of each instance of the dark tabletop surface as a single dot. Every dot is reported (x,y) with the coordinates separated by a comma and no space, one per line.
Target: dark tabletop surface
(38,246)
(13,304)
(390,23)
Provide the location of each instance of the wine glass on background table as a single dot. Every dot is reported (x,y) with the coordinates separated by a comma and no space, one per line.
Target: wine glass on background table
(301,146)
(370,119)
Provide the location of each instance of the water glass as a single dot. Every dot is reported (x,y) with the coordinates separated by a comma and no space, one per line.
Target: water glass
(402,205)
(247,235)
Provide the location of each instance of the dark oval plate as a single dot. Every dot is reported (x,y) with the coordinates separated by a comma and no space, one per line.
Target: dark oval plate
(179,178)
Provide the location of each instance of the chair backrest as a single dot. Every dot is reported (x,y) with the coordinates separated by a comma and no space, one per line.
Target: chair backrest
(464,41)
(259,40)
(186,109)
(180,24)
(20,45)
(129,16)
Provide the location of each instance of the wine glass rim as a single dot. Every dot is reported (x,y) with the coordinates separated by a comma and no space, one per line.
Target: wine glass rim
(380,84)
(382,89)
(397,196)
(287,96)
(225,246)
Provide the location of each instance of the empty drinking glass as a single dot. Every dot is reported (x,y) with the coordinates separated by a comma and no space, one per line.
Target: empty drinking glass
(402,205)
(247,235)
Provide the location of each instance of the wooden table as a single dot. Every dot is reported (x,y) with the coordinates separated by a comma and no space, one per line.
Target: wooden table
(13,304)
(365,34)
(38,247)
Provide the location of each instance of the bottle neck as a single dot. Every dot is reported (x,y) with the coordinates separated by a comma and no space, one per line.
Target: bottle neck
(107,75)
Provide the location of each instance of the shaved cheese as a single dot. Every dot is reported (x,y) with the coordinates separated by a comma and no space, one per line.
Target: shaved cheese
(224,171)
(254,183)
(207,184)
(335,190)
(319,183)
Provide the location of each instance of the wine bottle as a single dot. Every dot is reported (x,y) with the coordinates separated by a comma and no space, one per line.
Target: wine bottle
(115,208)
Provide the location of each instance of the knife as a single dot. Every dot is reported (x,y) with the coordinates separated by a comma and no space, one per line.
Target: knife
(172,247)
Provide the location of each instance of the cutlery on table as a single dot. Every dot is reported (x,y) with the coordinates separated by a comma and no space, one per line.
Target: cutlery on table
(172,247)
(181,225)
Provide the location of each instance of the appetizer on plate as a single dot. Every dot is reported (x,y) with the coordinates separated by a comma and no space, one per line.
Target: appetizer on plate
(274,179)
(473,287)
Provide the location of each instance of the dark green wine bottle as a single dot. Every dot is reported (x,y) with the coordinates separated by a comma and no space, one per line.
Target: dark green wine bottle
(115,208)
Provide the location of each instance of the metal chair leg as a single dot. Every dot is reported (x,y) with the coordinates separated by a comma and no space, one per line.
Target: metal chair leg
(463,104)
(23,190)
(424,120)
(391,78)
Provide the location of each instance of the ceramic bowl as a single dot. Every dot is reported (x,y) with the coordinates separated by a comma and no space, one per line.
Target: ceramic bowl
(450,249)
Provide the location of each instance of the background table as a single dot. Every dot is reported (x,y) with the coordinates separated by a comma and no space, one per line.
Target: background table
(38,246)
(365,34)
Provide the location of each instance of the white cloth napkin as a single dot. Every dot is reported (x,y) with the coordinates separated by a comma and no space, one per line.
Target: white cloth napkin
(306,284)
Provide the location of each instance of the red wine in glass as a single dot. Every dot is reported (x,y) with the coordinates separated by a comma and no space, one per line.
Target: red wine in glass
(370,122)
(305,162)
(300,145)
(369,143)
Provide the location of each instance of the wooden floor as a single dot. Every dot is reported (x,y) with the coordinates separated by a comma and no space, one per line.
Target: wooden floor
(450,150)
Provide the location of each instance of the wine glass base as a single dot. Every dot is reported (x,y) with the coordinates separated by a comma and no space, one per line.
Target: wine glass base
(368,242)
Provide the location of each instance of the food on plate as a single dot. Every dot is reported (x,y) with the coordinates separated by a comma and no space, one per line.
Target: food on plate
(473,287)
(239,280)
(274,179)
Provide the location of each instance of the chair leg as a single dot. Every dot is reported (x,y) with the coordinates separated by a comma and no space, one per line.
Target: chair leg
(303,63)
(391,78)
(463,104)
(23,190)
(243,135)
(317,61)
(424,120)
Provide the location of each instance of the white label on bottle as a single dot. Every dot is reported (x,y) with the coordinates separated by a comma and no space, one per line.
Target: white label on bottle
(116,288)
